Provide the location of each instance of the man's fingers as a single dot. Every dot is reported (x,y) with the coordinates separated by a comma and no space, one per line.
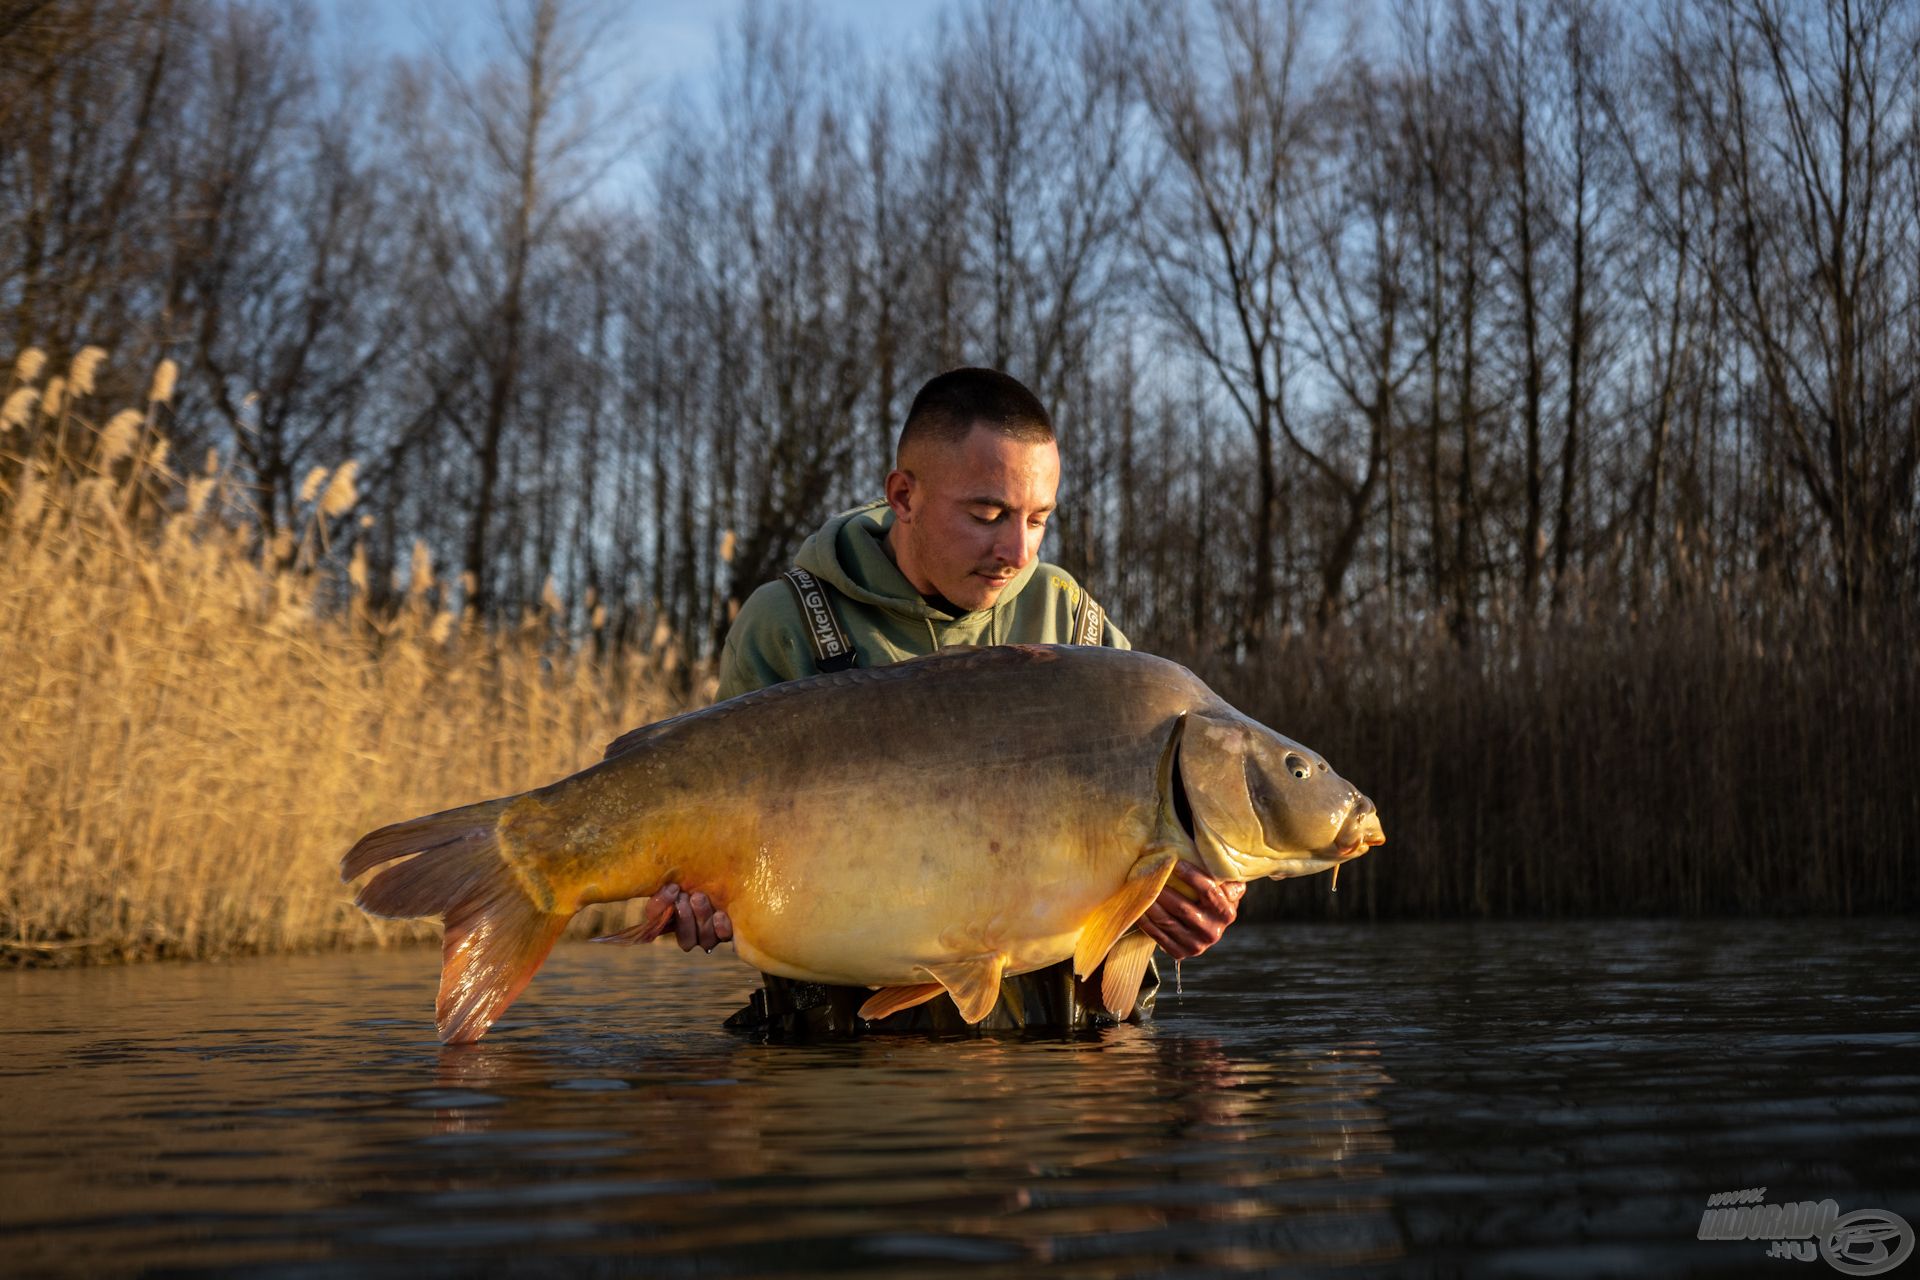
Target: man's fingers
(696,922)
(703,918)
(1185,928)
(1176,937)
(1159,936)
(1218,903)
(1194,926)
(685,928)
(1193,875)
(1221,899)
(1149,924)
(1206,921)
(1211,904)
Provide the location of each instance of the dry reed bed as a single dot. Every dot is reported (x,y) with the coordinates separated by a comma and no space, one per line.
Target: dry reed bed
(1699,764)
(197,726)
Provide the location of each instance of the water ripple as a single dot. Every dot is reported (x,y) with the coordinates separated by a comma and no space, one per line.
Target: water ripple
(1497,1099)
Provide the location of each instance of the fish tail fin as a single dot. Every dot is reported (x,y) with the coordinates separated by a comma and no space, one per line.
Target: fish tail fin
(496,934)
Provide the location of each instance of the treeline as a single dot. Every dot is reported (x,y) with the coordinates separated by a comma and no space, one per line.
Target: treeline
(1465,317)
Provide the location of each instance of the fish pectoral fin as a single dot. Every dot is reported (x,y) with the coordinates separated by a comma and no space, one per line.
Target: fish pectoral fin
(1126,969)
(891,1000)
(659,920)
(974,984)
(1117,914)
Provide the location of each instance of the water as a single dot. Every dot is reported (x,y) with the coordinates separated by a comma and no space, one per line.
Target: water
(1412,1099)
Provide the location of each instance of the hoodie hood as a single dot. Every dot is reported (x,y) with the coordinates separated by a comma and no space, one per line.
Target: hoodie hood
(885,618)
(847,553)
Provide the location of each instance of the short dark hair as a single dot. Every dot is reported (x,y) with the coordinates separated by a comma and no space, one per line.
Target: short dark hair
(954,402)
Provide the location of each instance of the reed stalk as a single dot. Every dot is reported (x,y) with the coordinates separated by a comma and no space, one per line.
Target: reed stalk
(197,727)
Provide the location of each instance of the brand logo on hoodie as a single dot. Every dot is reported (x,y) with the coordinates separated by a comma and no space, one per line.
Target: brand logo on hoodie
(828,640)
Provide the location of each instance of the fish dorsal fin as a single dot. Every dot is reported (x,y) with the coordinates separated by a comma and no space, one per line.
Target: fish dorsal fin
(634,737)
(974,984)
(1126,969)
(1117,914)
(891,1000)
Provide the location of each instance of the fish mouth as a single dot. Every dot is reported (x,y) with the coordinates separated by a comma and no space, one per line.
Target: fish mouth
(1360,832)
(1367,840)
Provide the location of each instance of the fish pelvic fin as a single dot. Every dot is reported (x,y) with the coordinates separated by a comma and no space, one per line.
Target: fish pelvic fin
(1125,970)
(659,920)
(891,1000)
(496,934)
(1118,913)
(974,984)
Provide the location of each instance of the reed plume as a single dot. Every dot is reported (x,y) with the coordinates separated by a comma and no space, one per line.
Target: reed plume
(194,733)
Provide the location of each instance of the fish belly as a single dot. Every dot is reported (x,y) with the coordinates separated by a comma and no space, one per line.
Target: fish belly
(880,907)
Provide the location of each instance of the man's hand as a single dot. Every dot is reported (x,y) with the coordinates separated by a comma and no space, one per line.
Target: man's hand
(695,922)
(1185,928)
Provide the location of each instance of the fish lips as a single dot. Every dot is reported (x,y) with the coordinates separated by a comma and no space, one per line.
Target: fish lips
(1360,832)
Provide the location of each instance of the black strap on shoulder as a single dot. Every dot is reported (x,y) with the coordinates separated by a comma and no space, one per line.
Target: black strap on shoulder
(1090,624)
(832,650)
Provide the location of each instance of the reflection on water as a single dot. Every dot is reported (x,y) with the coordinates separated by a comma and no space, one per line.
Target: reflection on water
(1407,1099)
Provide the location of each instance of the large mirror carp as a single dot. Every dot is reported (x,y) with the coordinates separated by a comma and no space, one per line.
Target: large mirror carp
(917,828)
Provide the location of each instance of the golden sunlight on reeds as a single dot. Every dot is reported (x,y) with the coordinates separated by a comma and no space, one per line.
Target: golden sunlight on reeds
(198,725)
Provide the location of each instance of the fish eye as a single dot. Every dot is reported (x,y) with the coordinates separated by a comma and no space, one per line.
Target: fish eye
(1298,767)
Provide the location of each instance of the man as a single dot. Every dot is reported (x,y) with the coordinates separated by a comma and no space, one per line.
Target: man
(947,558)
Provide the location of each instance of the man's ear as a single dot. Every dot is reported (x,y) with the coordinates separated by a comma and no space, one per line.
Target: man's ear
(902,490)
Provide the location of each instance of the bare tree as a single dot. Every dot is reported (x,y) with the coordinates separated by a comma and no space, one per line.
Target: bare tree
(1349,281)
(500,156)
(1229,108)
(1809,112)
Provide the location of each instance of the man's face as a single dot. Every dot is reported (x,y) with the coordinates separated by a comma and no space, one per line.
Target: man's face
(970,516)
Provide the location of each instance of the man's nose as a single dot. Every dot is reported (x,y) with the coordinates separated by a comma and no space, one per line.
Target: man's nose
(1013,547)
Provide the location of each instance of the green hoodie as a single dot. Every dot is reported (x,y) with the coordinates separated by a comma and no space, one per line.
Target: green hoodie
(884,617)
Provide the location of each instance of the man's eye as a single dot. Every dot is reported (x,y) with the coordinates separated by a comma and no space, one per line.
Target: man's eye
(987,518)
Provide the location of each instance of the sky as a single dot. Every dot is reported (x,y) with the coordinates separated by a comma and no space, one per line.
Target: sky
(664,40)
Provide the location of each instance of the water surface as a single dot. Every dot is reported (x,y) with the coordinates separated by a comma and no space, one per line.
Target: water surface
(1403,1099)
